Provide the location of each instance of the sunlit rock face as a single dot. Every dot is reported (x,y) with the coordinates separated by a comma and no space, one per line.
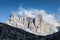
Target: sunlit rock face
(38,20)
(13,19)
(31,26)
(35,25)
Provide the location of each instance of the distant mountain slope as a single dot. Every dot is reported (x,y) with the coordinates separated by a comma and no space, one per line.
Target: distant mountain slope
(11,33)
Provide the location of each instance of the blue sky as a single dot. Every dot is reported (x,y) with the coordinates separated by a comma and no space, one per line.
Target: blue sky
(50,6)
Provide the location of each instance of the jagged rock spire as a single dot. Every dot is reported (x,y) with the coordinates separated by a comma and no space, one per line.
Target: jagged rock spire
(14,19)
(38,20)
(36,25)
(31,26)
(13,14)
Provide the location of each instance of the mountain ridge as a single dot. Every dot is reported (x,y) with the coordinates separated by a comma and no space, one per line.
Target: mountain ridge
(35,25)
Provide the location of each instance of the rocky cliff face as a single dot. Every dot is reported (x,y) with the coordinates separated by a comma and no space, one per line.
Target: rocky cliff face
(35,25)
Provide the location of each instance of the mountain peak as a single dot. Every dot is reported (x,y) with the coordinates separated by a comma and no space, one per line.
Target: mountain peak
(35,25)
(13,14)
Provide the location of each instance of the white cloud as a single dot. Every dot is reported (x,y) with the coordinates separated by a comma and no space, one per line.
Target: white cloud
(58,9)
(23,11)
(50,18)
(32,13)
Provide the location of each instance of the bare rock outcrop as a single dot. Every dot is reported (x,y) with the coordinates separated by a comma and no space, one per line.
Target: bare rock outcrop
(36,25)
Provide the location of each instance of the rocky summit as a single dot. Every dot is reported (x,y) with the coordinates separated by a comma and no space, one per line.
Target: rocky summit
(34,25)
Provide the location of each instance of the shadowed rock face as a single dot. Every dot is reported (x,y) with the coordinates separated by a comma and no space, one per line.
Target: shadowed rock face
(10,33)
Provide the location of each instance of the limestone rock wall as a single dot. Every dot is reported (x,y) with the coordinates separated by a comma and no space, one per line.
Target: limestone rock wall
(38,26)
